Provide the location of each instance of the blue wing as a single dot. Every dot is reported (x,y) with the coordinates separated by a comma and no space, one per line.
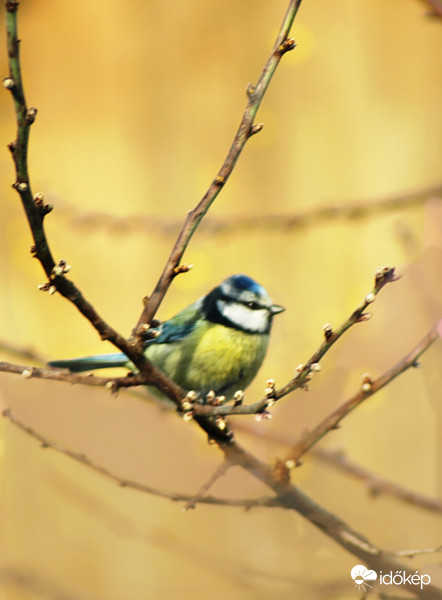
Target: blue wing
(178,327)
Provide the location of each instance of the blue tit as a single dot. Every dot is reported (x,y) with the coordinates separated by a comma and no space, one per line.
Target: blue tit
(218,343)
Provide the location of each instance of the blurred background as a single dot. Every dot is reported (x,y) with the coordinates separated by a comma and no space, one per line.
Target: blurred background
(137,104)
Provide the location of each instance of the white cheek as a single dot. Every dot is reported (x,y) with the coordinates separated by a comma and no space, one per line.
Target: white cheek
(244,317)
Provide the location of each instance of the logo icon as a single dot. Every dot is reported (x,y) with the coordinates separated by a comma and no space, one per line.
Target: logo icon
(361,576)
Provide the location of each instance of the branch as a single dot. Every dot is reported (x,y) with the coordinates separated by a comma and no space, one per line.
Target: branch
(79,457)
(294,499)
(435,7)
(337,458)
(247,223)
(305,371)
(287,497)
(112,383)
(245,130)
(375,483)
(36,209)
(369,387)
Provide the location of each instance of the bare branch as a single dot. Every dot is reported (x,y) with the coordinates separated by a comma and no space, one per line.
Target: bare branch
(22,351)
(112,383)
(36,210)
(375,483)
(246,503)
(213,225)
(337,458)
(305,372)
(294,499)
(413,553)
(255,95)
(368,389)
(219,471)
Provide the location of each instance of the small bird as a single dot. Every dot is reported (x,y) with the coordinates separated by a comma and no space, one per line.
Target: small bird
(217,344)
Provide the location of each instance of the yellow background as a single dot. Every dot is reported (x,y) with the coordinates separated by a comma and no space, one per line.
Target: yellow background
(138,103)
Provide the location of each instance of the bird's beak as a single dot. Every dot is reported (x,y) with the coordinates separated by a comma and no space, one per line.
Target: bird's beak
(275,309)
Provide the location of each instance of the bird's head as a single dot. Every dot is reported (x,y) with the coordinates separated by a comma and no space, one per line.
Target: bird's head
(241,303)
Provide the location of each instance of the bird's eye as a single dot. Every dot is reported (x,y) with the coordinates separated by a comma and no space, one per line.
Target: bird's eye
(253,305)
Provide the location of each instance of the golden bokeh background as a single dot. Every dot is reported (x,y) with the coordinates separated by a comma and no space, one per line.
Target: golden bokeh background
(138,104)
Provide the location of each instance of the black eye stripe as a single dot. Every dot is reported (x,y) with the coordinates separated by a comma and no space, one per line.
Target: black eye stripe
(249,304)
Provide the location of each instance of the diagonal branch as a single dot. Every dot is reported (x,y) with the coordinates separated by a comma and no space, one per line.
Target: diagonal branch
(294,499)
(245,130)
(287,496)
(36,210)
(375,483)
(305,372)
(368,389)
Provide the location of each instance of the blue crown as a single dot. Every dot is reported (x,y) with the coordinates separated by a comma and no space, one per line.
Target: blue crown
(242,282)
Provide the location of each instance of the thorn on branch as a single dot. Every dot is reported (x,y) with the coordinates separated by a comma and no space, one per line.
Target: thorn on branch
(286,46)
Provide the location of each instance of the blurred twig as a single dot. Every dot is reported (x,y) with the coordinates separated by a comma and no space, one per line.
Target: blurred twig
(435,7)
(245,130)
(294,499)
(246,223)
(176,497)
(338,459)
(368,388)
(287,496)
(22,351)
(375,483)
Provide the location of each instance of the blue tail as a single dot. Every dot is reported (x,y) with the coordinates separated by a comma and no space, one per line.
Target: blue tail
(90,363)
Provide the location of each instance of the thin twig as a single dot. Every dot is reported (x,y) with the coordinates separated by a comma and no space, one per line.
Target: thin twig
(112,383)
(246,503)
(246,128)
(22,351)
(36,209)
(413,553)
(305,372)
(368,389)
(374,482)
(287,496)
(219,471)
(337,458)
